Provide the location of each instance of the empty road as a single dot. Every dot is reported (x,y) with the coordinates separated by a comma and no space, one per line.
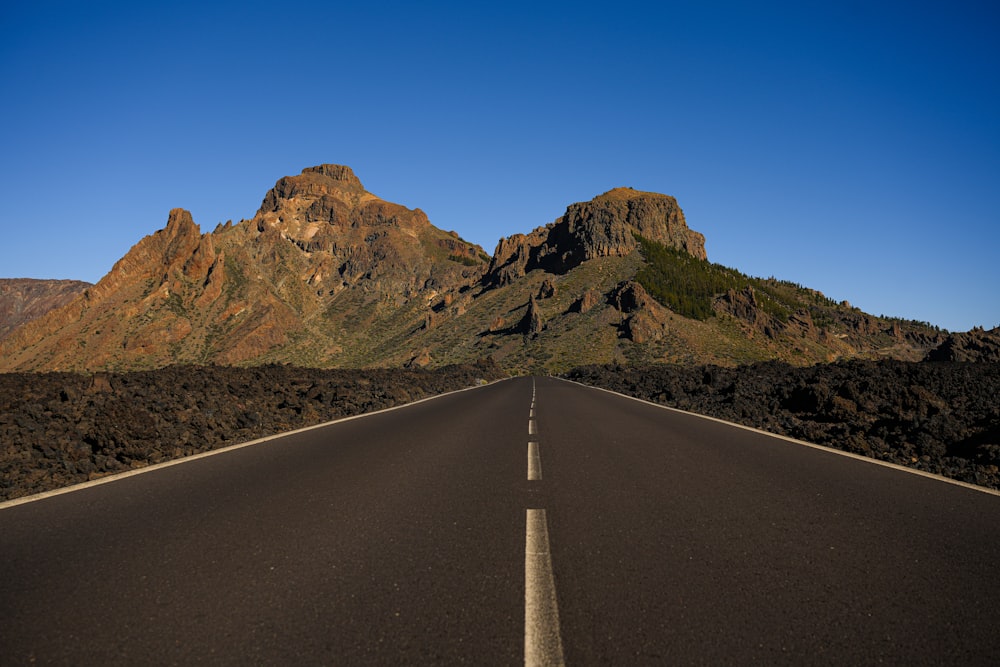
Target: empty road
(532,520)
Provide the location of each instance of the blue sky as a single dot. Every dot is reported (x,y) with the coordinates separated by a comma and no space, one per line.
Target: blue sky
(852,147)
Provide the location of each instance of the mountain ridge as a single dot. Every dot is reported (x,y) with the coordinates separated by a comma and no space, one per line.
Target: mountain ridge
(327,274)
(25,299)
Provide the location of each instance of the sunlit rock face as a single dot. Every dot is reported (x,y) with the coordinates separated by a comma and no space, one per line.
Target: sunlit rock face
(602,227)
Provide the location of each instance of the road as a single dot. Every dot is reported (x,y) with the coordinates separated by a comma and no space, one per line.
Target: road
(530,520)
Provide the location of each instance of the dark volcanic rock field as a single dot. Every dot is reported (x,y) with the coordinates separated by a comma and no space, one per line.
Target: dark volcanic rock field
(58,429)
(940,417)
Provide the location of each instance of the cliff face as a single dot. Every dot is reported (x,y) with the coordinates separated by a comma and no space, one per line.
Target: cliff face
(26,299)
(603,227)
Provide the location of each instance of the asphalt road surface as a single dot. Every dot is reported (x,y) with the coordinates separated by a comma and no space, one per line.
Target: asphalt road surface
(527,521)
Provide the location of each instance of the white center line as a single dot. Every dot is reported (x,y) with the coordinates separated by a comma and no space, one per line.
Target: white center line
(542,641)
(531,427)
(534,462)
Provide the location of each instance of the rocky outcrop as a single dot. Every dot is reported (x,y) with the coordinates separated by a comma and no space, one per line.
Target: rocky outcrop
(546,290)
(532,323)
(26,299)
(325,191)
(643,319)
(586,302)
(631,297)
(745,306)
(349,236)
(514,257)
(606,226)
(976,345)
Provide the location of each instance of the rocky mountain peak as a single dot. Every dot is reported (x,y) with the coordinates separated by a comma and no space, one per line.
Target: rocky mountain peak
(324,183)
(337,172)
(180,227)
(180,219)
(605,226)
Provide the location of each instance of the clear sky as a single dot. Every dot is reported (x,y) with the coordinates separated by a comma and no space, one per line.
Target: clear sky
(850,146)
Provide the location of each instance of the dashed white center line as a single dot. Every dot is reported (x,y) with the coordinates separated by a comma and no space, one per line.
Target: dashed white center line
(531,427)
(542,640)
(534,462)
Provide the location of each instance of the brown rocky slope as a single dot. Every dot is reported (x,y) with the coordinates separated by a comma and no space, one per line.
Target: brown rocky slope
(26,299)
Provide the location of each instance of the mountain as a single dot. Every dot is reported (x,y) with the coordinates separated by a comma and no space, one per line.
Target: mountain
(24,299)
(327,274)
(622,278)
(322,274)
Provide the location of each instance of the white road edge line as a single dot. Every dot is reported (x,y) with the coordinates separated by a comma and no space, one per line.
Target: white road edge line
(829,450)
(222,450)
(542,640)
(534,462)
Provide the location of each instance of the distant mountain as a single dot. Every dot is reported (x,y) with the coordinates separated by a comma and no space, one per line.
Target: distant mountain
(327,274)
(24,299)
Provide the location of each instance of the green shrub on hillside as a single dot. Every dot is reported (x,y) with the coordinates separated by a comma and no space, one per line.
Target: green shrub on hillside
(688,285)
(463,259)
